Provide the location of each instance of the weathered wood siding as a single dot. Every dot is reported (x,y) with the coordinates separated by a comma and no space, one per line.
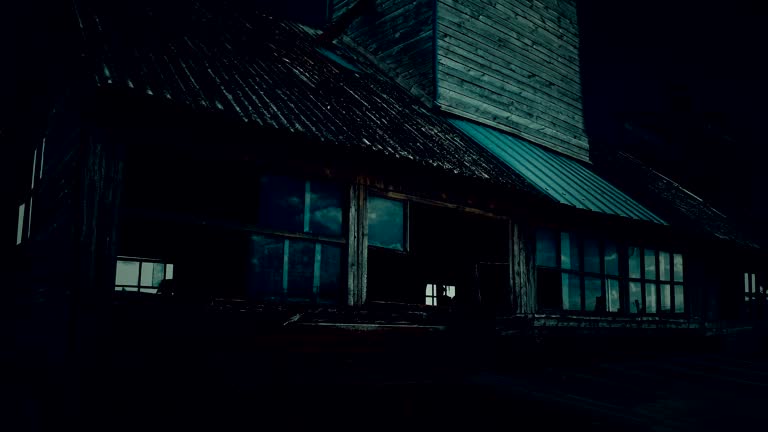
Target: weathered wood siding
(400,34)
(522,269)
(513,64)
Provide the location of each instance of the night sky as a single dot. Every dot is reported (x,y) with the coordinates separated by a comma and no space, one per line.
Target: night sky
(685,62)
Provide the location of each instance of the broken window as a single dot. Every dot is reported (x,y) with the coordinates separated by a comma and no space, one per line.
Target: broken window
(657,285)
(386,223)
(142,275)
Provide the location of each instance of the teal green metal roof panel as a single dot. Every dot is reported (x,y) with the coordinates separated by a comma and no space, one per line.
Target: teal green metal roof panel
(564,179)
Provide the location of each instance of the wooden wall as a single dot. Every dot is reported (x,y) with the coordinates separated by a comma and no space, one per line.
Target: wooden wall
(399,33)
(513,64)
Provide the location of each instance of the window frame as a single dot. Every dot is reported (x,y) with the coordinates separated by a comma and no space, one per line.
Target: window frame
(581,272)
(406,221)
(141,261)
(656,281)
(623,278)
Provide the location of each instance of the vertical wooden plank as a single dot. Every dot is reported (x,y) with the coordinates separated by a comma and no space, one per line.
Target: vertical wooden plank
(523,270)
(357,263)
(362,247)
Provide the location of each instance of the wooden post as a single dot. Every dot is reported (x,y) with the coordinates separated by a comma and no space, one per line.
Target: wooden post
(522,270)
(357,269)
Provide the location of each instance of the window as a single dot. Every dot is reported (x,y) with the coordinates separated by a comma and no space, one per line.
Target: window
(439,295)
(291,205)
(576,274)
(386,227)
(294,270)
(142,275)
(297,267)
(655,281)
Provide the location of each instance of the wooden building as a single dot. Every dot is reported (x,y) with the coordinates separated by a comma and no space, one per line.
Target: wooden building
(414,168)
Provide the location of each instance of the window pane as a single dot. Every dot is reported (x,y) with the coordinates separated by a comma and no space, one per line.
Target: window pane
(666,298)
(679,299)
(611,259)
(169,271)
(158,273)
(146,274)
(545,248)
(664,266)
(650,264)
(678,263)
(385,223)
(746,282)
(265,270)
(301,263)
(325,202)
(593,294)
(330,273)
(571,292)
(20,225)
(591,256)
(634,262)
(635,297)
(650,298)
(430,292)
(569,251)
(753,287)
(127,273)
(281,203)
(612,287)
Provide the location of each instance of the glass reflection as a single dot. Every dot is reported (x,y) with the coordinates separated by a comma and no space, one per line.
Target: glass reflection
(664,266)
(281,203)
(593,295)
(325,204)
(650,264)
(569,251)
(679,299)
(635,297)
(612,288)
(650,298)
(546,248)
(678,267)
(634,262)
(666,298)
(591,256)
(611,259)
(301,263)
(571,292)
(385,223)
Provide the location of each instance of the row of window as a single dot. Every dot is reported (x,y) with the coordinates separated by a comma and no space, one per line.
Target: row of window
(584,274)
(299,257)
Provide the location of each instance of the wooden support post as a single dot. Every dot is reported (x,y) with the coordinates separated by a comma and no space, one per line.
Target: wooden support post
(357,269)
(522,269)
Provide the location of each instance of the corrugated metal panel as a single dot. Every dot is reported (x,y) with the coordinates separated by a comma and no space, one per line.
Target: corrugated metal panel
(565,180)
(210,56)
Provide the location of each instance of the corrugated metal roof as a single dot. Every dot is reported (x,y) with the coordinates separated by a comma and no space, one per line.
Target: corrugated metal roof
(267,72)
(564,179)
